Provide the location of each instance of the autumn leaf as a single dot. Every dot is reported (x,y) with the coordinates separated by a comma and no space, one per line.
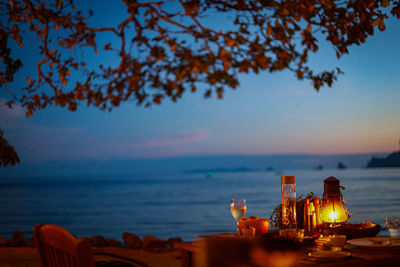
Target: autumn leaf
(27,18)
(29,113)
(107,46)
(91,41)
(72,106)
(309,28)
(285,12)
(226,64)
(269,30)
(300,74)
(385,3)
(230,42)
(225,53)
(70,44)
(157,100)
(381,26)
(262,61)
(375,22)
(158,58)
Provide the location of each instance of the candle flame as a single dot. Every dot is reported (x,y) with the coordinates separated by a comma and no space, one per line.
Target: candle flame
(333,216)
(333,212)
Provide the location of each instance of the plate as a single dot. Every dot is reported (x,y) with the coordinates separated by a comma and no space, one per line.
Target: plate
(379,242)
(329,255)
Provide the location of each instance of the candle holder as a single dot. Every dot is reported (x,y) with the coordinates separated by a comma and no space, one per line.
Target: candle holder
(333,211)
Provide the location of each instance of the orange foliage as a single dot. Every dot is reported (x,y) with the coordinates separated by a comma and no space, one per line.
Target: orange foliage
(178,52)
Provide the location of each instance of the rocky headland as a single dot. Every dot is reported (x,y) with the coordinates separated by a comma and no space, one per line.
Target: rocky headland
(393,160)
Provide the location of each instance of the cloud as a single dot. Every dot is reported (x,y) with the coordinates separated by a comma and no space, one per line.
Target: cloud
(178,138)
(173,144)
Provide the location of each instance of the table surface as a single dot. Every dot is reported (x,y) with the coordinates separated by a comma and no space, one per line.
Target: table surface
(359,256)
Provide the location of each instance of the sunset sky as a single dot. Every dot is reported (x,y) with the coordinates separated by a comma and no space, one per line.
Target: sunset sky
(267,114)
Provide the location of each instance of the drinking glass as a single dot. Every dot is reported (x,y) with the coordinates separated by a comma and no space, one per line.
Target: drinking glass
(238,210)
(393,225)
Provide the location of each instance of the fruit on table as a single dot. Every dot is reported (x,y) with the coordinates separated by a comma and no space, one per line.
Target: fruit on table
(260,225)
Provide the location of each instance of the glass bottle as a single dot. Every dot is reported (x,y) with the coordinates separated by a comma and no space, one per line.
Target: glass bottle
(288,202)
(317,205)
(311,219)
(306,203)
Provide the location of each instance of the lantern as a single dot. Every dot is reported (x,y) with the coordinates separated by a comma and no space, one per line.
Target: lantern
(333,210)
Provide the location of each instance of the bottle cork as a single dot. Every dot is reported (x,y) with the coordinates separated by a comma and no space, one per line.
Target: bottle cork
(287,180)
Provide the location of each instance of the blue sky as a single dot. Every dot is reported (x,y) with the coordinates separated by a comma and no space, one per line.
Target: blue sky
(267,114)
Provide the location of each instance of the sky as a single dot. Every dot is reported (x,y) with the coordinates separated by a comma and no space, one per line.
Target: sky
(268,114)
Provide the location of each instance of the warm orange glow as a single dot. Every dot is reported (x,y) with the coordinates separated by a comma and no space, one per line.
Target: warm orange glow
(333,216)
(333,211)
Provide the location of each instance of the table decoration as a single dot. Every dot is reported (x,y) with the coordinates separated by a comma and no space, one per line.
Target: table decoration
(292,234)
(333,210)
(276,216)
(393,225)
(337,242)
(261,225)
(354,230)
(309,216)
(248,232)
(238,210)
(288,190)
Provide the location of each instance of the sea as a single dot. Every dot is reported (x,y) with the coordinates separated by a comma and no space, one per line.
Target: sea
(180,205)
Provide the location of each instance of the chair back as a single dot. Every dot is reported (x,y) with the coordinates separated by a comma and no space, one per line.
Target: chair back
(57,247)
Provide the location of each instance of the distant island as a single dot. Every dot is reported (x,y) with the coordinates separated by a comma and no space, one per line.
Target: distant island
(341,166)
(393,160)
(319,168)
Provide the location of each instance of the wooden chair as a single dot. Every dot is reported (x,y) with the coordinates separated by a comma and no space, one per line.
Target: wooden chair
(56,247)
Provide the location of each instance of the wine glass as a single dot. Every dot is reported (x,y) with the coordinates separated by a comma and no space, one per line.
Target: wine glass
(238,210)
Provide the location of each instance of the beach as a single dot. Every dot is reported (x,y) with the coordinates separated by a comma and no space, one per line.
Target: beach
(24,257)
(19,251)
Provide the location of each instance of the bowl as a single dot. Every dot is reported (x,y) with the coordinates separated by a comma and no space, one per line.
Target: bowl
(355,230)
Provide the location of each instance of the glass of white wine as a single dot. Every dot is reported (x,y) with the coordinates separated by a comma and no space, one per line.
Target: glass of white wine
(238,210)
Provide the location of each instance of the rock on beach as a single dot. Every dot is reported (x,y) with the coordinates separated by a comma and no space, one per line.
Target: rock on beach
(4,242)
(19,239)
(132,240)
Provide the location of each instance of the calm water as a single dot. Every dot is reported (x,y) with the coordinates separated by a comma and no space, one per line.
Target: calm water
(182,205)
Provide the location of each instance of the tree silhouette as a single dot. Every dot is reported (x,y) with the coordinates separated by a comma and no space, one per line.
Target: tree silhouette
(165,48)
(8,156)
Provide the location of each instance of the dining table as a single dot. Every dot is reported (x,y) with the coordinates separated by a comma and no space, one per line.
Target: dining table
(270,250)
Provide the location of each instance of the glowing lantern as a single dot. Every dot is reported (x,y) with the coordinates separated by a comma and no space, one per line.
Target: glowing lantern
(332,208)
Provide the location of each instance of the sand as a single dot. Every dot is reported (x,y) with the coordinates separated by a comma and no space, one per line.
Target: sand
(27,257)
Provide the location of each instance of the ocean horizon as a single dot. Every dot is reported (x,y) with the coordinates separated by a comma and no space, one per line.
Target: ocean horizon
(185,164)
